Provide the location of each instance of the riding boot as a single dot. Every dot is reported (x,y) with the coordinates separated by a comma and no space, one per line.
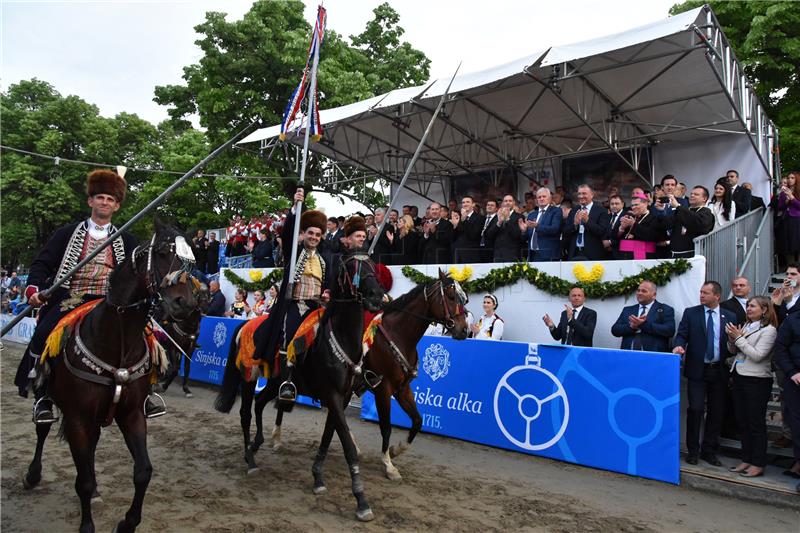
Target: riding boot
(154,406)
(44,411)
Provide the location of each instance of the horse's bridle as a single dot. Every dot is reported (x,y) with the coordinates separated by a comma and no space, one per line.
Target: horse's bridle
(448,321)
(350,285)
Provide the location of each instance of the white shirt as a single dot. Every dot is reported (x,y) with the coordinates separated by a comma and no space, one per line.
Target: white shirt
(791,303)
(719,217)
(576,311)
(493,323)
(743,302)
(99,232)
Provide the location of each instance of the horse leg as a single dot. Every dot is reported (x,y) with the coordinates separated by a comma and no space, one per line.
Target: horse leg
(322,453)
(174,366)
(248,390)
(134,430)
(406,400)
(262,400)
(187,368)
(383,402)
(82,444)
(345,405)
(276,431)
(34,475)
(363,511)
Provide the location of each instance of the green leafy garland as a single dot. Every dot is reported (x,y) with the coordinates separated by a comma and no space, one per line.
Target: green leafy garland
(250,286)
(500,277)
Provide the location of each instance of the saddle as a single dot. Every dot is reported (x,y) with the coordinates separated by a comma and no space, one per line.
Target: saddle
(304,337)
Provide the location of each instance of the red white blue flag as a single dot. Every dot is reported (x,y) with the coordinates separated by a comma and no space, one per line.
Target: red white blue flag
(303,89)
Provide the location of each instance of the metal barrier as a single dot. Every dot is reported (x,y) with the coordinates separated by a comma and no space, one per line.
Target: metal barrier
(757,264)
(240,261)
(726,248)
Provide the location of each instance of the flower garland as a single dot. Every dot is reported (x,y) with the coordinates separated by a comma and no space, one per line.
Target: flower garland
(500,277)
(588,276)
(262,284)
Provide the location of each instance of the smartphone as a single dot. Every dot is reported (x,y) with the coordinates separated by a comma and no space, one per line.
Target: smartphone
(793,283)
(663,199)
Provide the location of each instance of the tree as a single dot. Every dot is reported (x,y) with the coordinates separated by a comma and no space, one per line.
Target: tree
(251,66)
(766,38)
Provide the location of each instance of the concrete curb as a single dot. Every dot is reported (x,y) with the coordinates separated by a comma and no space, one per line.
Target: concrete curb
(713,484)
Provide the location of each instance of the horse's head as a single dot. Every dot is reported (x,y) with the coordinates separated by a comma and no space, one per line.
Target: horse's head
(356,280)
(446,303)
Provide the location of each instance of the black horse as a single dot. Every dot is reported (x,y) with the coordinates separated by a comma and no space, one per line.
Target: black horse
(102,371)
(328,372)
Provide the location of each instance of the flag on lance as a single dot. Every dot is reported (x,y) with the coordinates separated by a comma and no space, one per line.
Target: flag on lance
(307,88)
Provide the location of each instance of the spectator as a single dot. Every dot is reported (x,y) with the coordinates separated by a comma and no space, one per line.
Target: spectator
(741,197)
(262,252)
(200,249)
(789,210)
(259,304)
(616,208)
(4,279)
(452,205)
(406,242)
(239,307)
(577,323)
(273,297)
(647,326)
(369,220)
(383,249)
(505,233)
(415,215)
(586,227)
(756,202)
(437,235)
(751,346)
(394,215)
(787,359)
(212,254)
(687,224)
(700,344)
(333,235)
(490,325)
(786,297)
(669,187)
(722,204)
(737,304)
(530,205)
(639,231)
(216,304)
(542,230)
(14,281)
(680,191)
(487,237)
(467,231)
(557,198)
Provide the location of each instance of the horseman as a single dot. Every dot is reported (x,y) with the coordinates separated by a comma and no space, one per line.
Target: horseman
(68,246)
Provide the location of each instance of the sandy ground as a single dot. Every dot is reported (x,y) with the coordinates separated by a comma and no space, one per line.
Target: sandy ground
(200,482)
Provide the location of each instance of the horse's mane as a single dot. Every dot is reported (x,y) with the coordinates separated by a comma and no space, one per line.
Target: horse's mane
(401,302)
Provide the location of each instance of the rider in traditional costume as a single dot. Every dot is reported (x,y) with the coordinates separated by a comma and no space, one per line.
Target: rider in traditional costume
(68,246)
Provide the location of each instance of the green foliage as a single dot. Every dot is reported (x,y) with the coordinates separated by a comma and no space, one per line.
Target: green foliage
(765,35)
(500,277)
(250,286)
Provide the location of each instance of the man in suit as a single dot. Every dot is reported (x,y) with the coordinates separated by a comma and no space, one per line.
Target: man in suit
(216,304)
(686,224)
(701,343)
(467,231)
(787,359)
(737,304)
(212,254)
(542,230)
(616,207)
(648,325)
(383,249)
(333,235)
(577,323)
(756,202)
(487,239)
(742,197)
(505,233)
(438,236)
(586,227)
(786,299)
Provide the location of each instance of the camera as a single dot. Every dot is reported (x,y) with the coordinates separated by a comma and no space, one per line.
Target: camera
(663,199)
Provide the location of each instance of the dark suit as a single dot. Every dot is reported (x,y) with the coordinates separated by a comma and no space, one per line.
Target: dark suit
(507,238)
(654,335)
(613,234)
(262,254)
(595,230)
(756,202)
(736,308)
(783,310)
(686,224)
(216,305)
(467,245)
(576,332)
(487,239)
(212,257)
(548,235)
(332,241)
(743,198)
(787,358)
(707,382)
(436,246)
(383,249)
(648,228)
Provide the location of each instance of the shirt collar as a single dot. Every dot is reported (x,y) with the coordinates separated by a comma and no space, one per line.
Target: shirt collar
(706,309)
(578,309)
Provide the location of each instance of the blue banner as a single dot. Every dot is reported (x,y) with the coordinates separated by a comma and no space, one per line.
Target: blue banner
(611,409)
(214,341)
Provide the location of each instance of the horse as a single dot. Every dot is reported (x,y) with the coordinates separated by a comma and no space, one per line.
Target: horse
(99,357)
(331,364)
(393,355)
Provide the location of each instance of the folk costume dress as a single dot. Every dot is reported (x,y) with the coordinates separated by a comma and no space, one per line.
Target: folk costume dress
(490,328)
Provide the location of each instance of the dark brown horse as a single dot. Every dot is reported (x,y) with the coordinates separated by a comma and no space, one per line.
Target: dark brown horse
(328,372)
(102,371)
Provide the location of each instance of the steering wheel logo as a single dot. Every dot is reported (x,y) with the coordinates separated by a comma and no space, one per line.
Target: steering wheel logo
(533,389)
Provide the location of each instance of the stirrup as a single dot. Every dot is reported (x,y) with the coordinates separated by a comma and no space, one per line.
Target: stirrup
(368,381)
(154,409)
(287,392)
(43,415)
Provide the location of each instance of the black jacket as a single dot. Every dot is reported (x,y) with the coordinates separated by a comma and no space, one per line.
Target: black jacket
(467,245)
(786,352)
(613,235)
(648,228)
(736,308)
(656,332)
(743,199)
(692,337)
(262,254)
(212,257)
(216,305)
(507,239)
(686,224)
(595,230)
(383,249)
(407,248)
(436,247)
(200,248)
(332,241)
(578,332)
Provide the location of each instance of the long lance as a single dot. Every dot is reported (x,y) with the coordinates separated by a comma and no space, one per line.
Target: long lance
(413,160)
(138,216)
(299,205)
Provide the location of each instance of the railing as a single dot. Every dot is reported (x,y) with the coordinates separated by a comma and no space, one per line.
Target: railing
(757,264)
(240,261)
(725,248)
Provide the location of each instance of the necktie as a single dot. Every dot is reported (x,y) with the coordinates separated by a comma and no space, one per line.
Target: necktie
(570,330)
(485,225)
(534,238)
(579,242)
(710,337)
(643,310)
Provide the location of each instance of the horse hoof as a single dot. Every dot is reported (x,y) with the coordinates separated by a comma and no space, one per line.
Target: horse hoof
(393,475)
(365,515)
(277,447)
(189,395)
(252,470)
(28,484)
(322,489)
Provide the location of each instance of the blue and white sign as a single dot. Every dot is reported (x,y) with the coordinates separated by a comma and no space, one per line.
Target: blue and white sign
(611,409)
(22,332)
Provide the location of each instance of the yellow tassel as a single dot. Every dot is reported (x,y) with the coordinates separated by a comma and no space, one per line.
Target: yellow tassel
(282,136)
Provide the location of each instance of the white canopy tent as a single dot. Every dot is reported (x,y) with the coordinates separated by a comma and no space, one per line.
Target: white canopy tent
(654,95)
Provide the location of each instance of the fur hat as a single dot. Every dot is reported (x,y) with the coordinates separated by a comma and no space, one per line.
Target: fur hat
(354,224)
(313,219)
(106,182)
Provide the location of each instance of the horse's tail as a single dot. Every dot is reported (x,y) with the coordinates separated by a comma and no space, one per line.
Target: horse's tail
(231,379)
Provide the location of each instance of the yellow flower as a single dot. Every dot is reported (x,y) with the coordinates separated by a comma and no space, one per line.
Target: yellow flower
(256,275)
(588,276)
(461,275)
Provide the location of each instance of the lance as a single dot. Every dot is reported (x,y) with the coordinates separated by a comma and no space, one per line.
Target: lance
(413,160)
(138,216)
